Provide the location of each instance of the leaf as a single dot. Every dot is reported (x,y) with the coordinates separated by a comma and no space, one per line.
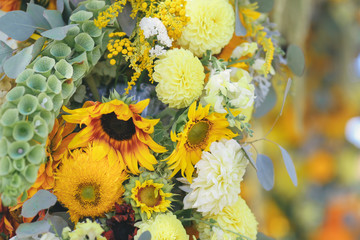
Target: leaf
(289,165)
(57,222)
(265,171)
(17,63)
(30,229)
(267,105)
(240,30)
(248,155)
(36,13)
(41,200)
(265,6)
(60,5)
(261,236)
(145,236)
(58,33)
(5,53)
(79,95)
(126,22)
(38,45)
(288,85)
(54,17)
(295,59)
(17,25)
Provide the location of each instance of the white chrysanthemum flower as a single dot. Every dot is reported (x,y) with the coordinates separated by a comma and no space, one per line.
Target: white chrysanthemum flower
(154,27)
(244,49)
(49,236)
(260,68)
(220,172)
(84,230)
(157,51)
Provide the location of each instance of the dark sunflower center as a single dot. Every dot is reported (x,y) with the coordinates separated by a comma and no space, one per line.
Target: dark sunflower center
(117,129)
(150,196)
(198,133)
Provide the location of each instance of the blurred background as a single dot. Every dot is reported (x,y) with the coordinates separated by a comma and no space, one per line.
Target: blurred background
(320,128)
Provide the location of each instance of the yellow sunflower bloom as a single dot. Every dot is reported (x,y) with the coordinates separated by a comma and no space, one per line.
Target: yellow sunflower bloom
(120,130)
(86,183)
(199,132)
(150,197)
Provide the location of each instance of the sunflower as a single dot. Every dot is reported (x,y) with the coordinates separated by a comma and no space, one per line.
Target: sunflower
(87,184)
(119,129)
(199,132)
(148,193)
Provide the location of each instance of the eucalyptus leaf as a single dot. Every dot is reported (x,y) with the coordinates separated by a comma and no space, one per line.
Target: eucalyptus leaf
(5,53)
(17,25)
(261,236)
(268,104)
(287,89)
(37,14)
(17,63)
(126,22)
(289,165)
(60,5)
(54,17)
(58,33)
(145,236)
(32,229)
(265,171)
(265,6)
(57,222)
(38,45)
(41,200)
(248,155)
(240,30)
(295,59)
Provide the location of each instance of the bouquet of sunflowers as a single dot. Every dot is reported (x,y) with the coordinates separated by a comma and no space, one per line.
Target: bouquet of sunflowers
(129,119)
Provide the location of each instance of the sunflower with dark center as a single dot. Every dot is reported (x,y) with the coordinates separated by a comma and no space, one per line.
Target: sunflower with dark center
(120,130)
(88,184)
(199,132)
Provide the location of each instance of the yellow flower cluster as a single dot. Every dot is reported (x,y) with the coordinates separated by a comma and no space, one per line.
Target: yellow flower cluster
(172,14)
(118,46)
(113,11)
(143,6)
(268,48)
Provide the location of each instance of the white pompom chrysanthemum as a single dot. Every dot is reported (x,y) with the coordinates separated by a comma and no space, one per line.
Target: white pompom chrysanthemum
(220,172)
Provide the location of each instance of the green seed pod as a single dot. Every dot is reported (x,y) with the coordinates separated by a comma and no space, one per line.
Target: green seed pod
(67,89)
(10,117)
(6,200)
(73,31)
(28,104)
(16,180)
(95,5)
(30,173)
(3,147)
(58,102)
(53,84)
(45,101)
(79,71)
(60,51)
(81,16)
(23,131)
(44,65)
(19,164)
(41,124)
(83,42)
(36,155)
(5,166)
(90,28)
(15,94)
(18,149)
(63,69)
(24,75)
(37,82)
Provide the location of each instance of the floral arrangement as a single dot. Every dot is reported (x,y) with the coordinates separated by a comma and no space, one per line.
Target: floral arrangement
(157,140)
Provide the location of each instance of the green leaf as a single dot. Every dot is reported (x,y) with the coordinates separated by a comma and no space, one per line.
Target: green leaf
(54,17)
(265,6)
(37,14)
(289,165)
(295,59)
(17,25)
(126,22)
(287,89)
(60,5)
(240,30)
(145,236)
(267,105)
(38,45)
(5,53)
(31,229)
(265,171)
(57,222)
(41,200)
(261,236)
(248,155)
(79,95)
(17,63)
(58,33)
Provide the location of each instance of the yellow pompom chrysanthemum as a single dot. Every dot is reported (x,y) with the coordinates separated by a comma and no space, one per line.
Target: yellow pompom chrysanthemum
(180,76)
(163,227)
(87,184)
(211,26)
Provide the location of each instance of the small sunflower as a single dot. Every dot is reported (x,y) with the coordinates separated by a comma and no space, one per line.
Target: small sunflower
(148,193)
(199,132)
(119,129)
(87,184)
